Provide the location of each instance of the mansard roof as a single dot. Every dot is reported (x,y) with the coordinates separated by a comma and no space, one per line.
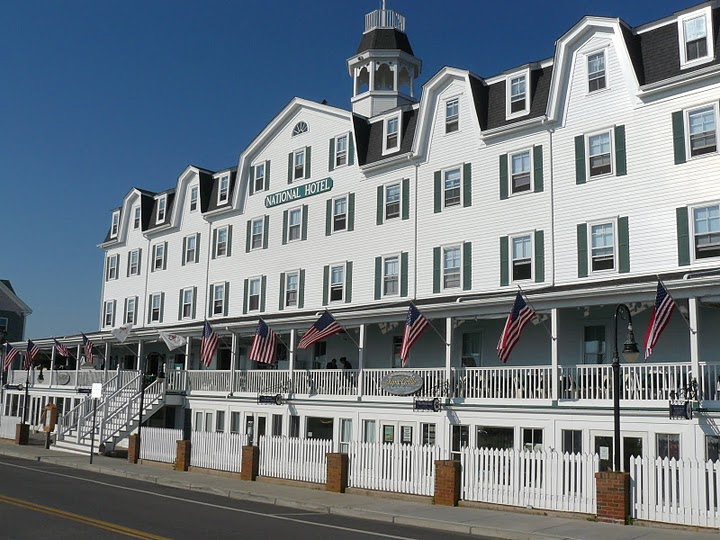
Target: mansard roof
(385,39)
(539,88)
(369,136)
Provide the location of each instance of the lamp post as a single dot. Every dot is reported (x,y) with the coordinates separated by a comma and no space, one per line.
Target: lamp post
(631,353)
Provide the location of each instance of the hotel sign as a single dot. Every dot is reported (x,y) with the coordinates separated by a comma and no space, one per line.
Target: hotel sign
(401,383)
(299,192)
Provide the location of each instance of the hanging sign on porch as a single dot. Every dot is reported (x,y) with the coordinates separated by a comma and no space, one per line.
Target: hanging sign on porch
(427,405)
(299,192)
(270,400)
(400,383)
(681,411)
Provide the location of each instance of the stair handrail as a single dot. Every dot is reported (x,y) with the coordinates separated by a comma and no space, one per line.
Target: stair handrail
(154,393)
(101,406)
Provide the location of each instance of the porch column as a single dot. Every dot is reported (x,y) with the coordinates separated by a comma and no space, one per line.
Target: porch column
(106,363)
(291,359)
(448,349)
(554,372)
(233,360)
(138,366)
(52,365)
(694,310)
(361,358)
(188,348)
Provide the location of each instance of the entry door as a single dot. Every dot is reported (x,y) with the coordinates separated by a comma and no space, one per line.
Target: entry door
(459,438)
(632,445)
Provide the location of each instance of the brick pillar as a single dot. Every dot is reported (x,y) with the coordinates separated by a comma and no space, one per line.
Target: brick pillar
(182,456)
(337,473)
(134,448)
(250,463)
(613,497)
(22,434)
(447,482)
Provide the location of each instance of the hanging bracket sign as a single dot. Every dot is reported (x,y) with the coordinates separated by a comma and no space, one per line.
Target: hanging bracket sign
(270,399)
(299,192)
(681,410)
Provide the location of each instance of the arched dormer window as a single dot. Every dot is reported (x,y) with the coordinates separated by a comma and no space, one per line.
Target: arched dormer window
(300,127)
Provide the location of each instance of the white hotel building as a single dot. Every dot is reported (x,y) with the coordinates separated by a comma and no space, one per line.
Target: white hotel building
(580,178)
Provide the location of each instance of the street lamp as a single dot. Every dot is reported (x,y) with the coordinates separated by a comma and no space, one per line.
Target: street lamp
(631,353)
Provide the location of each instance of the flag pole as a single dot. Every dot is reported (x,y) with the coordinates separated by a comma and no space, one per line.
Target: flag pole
(536,313)
(673,299)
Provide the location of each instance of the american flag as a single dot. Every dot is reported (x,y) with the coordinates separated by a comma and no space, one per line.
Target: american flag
(88,349)
(208,345)
(520,315)
(263,346)
(325,326)
(415,324)
(61,349)
(664,305)
(10,354)
(32,352)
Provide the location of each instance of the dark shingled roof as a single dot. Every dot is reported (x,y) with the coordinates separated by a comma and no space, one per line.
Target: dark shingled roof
(539,91)
(370,138)
(153,222)
(480,97)
(385,39)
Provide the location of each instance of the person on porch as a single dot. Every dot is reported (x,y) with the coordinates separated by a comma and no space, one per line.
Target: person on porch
(332,364)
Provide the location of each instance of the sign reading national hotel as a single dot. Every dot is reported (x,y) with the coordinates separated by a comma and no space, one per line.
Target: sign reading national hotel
(299,192)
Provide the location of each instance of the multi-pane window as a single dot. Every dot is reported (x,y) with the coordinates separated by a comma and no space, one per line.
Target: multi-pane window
(155,307)
(451,267)
(520,172)
(594,344)
(130,308)
(208,421)
(427,432)
(459,439)
(221,242)
(134,265)
(337,282)
(115,224)
(517,94)
(254,294)
(695,34)
(392,201)
(112,267)
(219,421)
(136,218)
(161,205)
(702,128)
(218,307)
(451,115)
(521,258)
(187,303)
(256,240)
(599,154)
(495,437)
(193,198)
(291,289)
(392,126)
(223,189)
(596,71)
(260,177)
(159,256)
(339,214)
(277,425)
(299,167)
(369,431)
(109,313)
(294,430)
(452,187)
(391,275)
(294,224)
(668,445)
(235,422)
(532,439)
(602,240)
(300,127)
(190,248)
(345,435)
(707,231)
(341,150)
(571,441)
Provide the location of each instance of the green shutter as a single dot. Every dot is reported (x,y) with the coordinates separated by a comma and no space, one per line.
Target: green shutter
(182,258)
(165,256)
(378,278)
(538,166)
(351,212)
(140,260)
(301,290)
(348,281)
(467,184)
(245,296)
(248,236)
(149,308)
(194,304)
(504,261)
(328,217)
(285,227)
(331,155)
(266,231)
(404,274)
(214,243)
(620,151)
(380,205)
(211,298)
(438,191)
(281,303)
(406,198)
(262,293)
(303,233)
(162,307)
(582,250)
(229,240)
(251,180)
(467,266)
(226,300)
(351,149)
(197,247)
(308,150)
(326,281)
(623,245)
(180,304)
(291,162)
(683,236)
(436,270)
(267,175)
(678,127)
(539,256)
(580,159)
(503,177)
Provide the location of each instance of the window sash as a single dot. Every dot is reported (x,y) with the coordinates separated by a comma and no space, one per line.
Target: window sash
(392,201)
(291,289)
(159,256)
(451,268)
(134,267)
(115,224)
(130,311)
(190,249)
(599,154)
(193,199)
(695,33)
(596,71)
(602,247)
(299,164)
(391,273)
(517,94)
(391,138)
(221,246)
(136,218)
(294,224)
(254,295)
(339,214)
(112,267)
(707,231)
(161,209)
(452,115)
(341,150)
(187,303)
(702,130)
(594,345)
(155,308)
(224,188)
(522,258)
(452,187)
(337,283)
(521,172)
(260,177)
(257,234)
(108,313)
(218,299)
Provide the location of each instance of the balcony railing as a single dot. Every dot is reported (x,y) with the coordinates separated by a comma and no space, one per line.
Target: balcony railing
(502,383)
(335,382)
(384,18)
(262,381)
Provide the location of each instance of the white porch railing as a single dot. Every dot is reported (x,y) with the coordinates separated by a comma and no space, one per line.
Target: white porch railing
(219,451)
(8,426)
(585,382)
(336,382)
(524,478)
(259,381)
(159,444)
(434,381)
(709,382)
(524,382)
(87,377)
(654,381)
(177,380)
(209,380)
(294,459)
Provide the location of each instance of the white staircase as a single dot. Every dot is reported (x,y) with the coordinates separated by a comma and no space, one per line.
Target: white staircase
(118,414)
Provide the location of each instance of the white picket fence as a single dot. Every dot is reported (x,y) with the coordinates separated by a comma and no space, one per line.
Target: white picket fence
(294,459)
(675,491)
(219,451)
(159,444)
(550,480)
(7,426)
(393,467)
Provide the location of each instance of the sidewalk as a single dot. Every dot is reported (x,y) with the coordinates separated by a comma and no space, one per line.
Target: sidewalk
(475,521)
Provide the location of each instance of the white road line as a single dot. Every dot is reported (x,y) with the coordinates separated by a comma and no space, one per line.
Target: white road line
(221,507)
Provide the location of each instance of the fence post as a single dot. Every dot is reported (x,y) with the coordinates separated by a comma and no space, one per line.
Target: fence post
(182,456)
(447,482)
(250,463)
(337,472)
(613,497)
(134,448)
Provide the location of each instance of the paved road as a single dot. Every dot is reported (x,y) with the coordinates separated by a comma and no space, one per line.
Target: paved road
(40,500)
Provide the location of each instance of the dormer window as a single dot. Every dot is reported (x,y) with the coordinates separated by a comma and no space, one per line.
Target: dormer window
(136,218)
(392,134)
(451,115)
(115,224)
(193,198)
(695,38)
(259,176)
(223,189)
(161,205)
(596,71)
(518,94)
(341,150)
(300,127)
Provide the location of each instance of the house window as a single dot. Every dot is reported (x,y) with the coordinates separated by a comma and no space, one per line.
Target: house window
(161,204)
(130,308)
(521,258)
(219,421)
(112,267)
(224,189)
(187,303)
(391,274)
(159,257)
(218,299)
(341,150)
(501,438)
(299,164)
(337,283)
(294,224)
(520,172)
(571,441)
(451,267)
(221,242)
(345,435)
(300,127)
(392,201)
(668,445)
(235,422)
(392,126)
(190,248)
(254,294)
(602,240)
(339,214)
(369,431)
(136,218)
(451,116)
(706,229)
(291,289)
(594,345)
(260,177)
(599,154)
(459,439)
(109,313)
(155,307)
(427,432)
(695,36)
(702,129)
(193,198)
(256,242)
(533,439)
(277,425)
(3,324)
(596,71)
(517,94)
(115,224)
(208,421)
(452,187)
(294,430)
(134,267)
(396,348)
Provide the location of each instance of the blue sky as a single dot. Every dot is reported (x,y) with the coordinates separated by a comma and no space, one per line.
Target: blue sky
(99,97)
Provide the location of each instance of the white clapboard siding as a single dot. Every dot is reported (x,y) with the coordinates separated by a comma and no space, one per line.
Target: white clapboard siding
(220,451)
(294,459)
(159,444)
(681,491)
(7,426)
(525,478)
(393,467)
